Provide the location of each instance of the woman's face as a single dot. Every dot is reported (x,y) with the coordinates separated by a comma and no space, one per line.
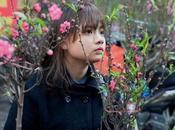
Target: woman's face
(93,45)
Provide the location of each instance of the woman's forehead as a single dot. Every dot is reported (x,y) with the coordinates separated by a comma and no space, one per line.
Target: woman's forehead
(92,26)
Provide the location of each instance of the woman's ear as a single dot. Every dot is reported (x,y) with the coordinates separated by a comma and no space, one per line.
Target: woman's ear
(64,46)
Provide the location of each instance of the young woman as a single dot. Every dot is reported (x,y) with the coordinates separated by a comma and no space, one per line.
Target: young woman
(68,96)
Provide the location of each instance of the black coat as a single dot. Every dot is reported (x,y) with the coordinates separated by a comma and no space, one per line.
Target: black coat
(80,108)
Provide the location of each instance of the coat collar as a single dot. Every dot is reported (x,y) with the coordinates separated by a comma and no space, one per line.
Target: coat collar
(93,79)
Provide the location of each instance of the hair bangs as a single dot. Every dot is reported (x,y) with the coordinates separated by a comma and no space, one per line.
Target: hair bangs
(90,16)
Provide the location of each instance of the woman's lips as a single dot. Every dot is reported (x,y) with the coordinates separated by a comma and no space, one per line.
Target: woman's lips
(99,49)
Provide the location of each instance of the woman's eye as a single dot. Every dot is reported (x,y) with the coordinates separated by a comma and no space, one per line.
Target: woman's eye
(88,31)
(102,32)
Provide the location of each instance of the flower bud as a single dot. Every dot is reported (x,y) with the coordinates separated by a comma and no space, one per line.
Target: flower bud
(50,52)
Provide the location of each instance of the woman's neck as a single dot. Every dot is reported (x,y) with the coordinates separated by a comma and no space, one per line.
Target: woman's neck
(77,70)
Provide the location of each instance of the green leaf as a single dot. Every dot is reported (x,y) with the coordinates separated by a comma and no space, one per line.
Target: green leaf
(145,43)
(120,6)
(154,4)
(107,18)
(71,6)
(103,89)
(41,22)
(170,27)
(133,68)
(115,74)
(1,21)
(7,31)
(114,14)
(39,29)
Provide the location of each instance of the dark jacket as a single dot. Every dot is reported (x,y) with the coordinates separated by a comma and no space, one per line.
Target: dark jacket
(80,108)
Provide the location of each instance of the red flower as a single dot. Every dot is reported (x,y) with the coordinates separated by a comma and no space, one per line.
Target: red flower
(25,26)
(134,47)
(64,27)
(37,7)
(15,33)
(45,29)
(112,85)
(139,75)
(137,58)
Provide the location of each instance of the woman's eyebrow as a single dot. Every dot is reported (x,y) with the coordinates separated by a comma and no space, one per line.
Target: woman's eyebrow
(101,27)
(89,27)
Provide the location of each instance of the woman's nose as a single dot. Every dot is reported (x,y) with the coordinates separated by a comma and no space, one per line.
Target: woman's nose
(100,42)
(99,39)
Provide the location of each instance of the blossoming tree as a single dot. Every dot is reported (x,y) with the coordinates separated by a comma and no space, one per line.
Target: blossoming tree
(24,44)
(147,45)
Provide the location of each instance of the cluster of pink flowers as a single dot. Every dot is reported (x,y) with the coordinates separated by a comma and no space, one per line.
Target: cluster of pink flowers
(55,12)
(64,27)
(6,49)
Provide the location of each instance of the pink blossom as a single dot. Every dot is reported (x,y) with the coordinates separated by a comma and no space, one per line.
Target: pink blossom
(6,49)
(64,27)
(149,5)
(45,29)
(137,58)
(134,47)
(15,33)
(112,85)
(139,75)
(50,52)
(55,12)
(37,7)
(25,26)
(63,1)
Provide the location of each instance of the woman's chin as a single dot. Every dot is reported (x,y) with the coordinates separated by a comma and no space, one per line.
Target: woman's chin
(95,60)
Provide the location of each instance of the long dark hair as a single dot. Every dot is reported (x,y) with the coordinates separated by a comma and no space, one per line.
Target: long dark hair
(88,15)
